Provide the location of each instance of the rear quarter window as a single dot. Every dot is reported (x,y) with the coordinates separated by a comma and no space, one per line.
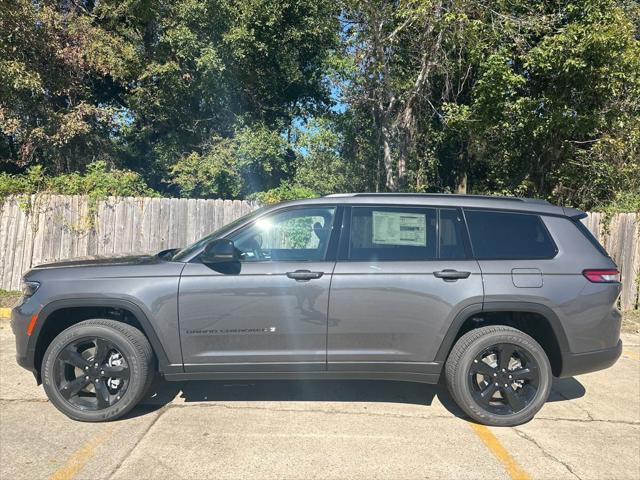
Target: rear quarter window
(505,236)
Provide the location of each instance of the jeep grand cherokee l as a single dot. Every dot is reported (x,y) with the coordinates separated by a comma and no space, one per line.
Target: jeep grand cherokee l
(496,294)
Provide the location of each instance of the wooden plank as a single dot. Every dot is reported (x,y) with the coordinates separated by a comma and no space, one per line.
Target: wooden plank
(12,227)
(4,250)
(18,256)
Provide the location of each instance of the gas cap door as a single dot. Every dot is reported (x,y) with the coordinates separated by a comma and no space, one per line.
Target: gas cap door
(526,277)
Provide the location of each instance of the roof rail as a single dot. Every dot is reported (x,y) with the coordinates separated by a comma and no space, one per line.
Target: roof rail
(441,195)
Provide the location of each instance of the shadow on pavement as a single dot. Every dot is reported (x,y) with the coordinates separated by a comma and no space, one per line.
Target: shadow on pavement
(162,392)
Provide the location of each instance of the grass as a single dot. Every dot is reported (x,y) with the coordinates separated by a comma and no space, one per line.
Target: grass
(8,298)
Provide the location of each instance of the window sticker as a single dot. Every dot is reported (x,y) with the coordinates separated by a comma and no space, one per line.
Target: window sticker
(400,228)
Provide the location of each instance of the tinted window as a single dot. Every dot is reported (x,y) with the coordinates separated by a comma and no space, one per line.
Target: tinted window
(500,235)
(587,233)
(382,233)
(452,235)
(294,235)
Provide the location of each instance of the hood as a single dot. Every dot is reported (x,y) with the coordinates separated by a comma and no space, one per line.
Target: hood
(97,261)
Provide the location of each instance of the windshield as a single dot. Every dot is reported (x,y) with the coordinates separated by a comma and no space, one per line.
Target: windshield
(186,252)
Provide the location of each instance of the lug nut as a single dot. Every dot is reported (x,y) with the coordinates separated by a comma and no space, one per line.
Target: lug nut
(101,372)
(96,365)
(87,377)
(510,376)
(505,385)
(496,384)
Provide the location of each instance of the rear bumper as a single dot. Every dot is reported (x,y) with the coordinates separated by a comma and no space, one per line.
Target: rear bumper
(579,363)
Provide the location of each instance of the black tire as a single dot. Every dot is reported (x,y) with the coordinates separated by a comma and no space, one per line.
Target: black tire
(105,338)
(502,401)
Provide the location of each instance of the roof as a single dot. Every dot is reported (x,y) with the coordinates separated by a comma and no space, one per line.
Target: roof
(533,205)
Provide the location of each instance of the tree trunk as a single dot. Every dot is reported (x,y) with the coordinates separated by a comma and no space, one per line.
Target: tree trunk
(390,181)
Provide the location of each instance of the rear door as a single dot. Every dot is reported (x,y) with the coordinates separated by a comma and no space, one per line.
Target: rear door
(402,275)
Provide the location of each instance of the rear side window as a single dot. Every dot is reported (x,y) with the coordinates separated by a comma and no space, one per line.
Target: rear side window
(386,233)
(503,236)
(587,233)
(452,235)
(407,233)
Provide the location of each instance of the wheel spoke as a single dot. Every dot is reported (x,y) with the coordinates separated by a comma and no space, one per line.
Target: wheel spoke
(72,388)
(483,368)
(486,394)
(102,349)
(72,357)
(525,373)
(115,372)
(102,395)
(505,352)
(513,399)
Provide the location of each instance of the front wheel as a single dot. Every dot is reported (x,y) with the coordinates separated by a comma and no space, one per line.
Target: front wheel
(498,375)
(97,370)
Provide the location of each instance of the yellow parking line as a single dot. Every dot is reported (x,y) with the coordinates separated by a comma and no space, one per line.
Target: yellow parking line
(81,457)
(5,312)
(514,470)
(630,354)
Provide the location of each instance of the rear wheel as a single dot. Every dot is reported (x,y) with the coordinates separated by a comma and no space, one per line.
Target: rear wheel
(498,375)
(97,370)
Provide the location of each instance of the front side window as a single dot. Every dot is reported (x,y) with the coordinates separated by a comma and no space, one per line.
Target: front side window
(294,235)
(390,233)
(505,236)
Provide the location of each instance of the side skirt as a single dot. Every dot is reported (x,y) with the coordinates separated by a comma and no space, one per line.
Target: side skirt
(308,375)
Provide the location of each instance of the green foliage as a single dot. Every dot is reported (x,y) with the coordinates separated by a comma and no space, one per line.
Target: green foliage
(282,193)
(255,159)
(98,182)
(537,99)
(320,167)
(232,99)
(145,84)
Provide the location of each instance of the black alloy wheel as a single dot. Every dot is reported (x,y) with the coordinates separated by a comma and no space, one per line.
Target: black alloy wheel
(498,375)
(98,369)
(504,379)
(91,373)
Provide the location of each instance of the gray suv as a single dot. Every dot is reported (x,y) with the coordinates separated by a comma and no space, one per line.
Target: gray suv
(495,295)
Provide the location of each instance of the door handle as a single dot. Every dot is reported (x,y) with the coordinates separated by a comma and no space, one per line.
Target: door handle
(449,275)
(304,275)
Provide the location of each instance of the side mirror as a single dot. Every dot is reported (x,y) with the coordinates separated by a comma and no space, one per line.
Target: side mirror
(221,250)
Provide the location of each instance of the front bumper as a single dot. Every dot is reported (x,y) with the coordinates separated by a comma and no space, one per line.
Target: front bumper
(25,349)
(579,363)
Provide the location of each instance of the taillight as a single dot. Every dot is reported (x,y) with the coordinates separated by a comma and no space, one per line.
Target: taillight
(602,276)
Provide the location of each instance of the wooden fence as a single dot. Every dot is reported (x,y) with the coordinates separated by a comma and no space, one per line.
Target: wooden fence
(47,228)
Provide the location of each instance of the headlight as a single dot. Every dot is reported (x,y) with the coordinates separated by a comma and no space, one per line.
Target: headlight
(29,288)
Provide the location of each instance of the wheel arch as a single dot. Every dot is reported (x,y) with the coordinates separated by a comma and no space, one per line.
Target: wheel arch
(535,319)
(79,309)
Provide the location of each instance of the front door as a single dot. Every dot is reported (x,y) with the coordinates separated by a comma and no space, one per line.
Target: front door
(268,312)
(402,276)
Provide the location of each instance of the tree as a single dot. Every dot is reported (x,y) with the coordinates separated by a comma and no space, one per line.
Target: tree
(527,98)
(61,75)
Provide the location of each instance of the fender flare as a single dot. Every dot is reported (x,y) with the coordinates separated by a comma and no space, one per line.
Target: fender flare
(138,312)
(506,306)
